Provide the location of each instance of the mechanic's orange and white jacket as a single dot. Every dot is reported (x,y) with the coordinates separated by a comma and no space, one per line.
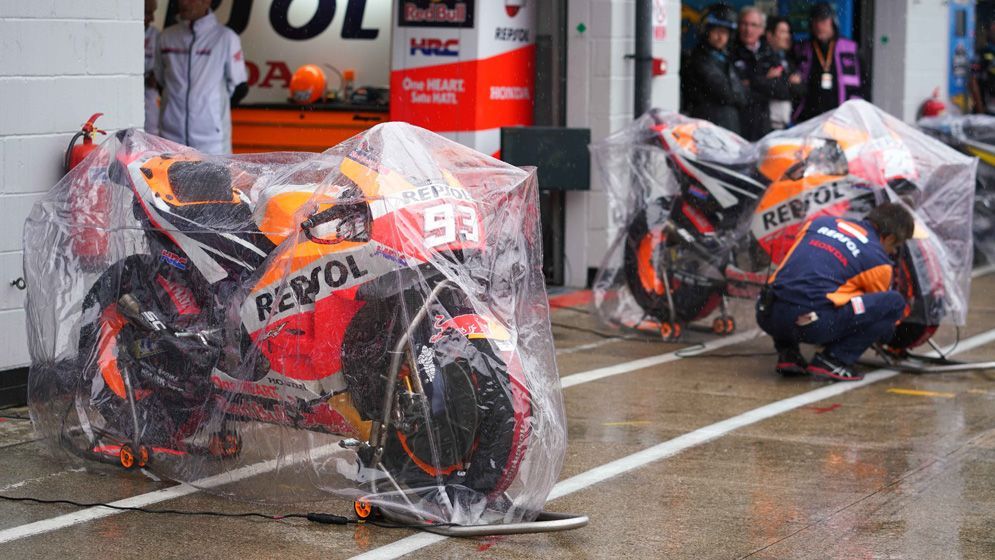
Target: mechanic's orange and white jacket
(832,260)
(198,64)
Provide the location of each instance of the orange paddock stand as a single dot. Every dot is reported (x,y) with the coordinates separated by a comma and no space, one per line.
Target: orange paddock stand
(275,128)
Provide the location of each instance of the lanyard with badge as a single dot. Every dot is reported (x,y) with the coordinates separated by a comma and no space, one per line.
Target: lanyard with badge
(826,62)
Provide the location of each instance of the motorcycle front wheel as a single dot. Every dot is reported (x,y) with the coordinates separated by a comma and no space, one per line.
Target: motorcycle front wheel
(459,414)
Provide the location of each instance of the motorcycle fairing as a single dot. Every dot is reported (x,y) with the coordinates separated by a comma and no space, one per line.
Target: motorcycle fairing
(788,204)
(183,231)
(310,364)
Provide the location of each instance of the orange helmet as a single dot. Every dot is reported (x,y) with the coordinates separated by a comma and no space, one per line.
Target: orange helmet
(307,85)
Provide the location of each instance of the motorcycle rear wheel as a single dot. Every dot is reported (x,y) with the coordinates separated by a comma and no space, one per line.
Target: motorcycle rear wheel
(643,256)
(159,413)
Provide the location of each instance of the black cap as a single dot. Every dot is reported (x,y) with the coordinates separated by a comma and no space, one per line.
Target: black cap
(821,11)
(719,15)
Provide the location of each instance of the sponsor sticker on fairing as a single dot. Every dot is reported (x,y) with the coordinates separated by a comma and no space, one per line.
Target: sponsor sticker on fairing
(172,259)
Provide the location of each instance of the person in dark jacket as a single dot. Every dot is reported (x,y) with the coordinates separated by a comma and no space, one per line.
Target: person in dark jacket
(834,289)
(713,89)
(829,64)
(786,84)
(982,82)
(755,65)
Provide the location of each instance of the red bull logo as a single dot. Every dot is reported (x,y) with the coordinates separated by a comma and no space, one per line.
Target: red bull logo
(470,326)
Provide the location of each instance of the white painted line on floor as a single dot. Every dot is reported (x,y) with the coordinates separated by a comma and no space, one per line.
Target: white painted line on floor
(674,446)
(589,346)
(983,271)
(142,500)
(40,478)
(601,373)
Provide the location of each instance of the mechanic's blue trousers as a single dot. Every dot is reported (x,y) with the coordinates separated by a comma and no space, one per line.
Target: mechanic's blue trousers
(844,334)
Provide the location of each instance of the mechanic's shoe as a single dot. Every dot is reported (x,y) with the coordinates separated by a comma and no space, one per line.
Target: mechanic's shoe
(827,367)
(791,363)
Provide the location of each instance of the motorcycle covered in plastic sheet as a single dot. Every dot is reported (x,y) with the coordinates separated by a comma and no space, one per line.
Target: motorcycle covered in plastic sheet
(973,135)
(700,218)
(369,322)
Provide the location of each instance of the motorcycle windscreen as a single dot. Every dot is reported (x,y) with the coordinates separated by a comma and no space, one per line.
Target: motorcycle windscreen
(696,230)
(369,323)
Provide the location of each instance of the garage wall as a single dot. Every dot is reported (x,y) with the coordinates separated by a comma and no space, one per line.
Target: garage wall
(911,54)
(60,61)
(600,82)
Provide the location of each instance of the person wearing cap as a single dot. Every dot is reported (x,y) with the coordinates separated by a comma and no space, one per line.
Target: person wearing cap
(201,69)
(834,290)
(830,65)
(712,87)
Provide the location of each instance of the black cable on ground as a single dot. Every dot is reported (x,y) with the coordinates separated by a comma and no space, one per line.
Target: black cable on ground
(589,331)
(574,309)
(323,518)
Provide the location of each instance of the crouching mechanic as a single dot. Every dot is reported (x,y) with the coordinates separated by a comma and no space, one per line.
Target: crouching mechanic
(832,290)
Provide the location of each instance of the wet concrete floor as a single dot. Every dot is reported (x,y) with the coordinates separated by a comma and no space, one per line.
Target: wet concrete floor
(900,467)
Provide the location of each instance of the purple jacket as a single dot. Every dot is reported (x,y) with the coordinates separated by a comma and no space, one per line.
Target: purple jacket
(846,64)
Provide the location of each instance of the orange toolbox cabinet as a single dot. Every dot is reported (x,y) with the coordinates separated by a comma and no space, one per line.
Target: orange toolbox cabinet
(281,127)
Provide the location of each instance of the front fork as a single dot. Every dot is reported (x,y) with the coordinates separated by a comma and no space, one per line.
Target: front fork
(371,451)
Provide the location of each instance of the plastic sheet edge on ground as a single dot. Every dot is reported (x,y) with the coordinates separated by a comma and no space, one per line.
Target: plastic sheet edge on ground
(369,323)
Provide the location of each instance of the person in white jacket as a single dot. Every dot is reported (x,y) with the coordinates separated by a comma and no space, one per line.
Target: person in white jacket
(151,87)
(200,66)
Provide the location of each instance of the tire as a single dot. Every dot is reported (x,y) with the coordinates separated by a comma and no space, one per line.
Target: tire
(475,430)
(693,299)
(159,411)
(921,286)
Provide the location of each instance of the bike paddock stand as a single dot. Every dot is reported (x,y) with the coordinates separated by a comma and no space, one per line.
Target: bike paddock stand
(545,522)
(920,364)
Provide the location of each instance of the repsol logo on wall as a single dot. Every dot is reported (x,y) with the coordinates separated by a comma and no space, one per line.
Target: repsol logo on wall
(511,34)
(435,13)
(279,17)
(798,208)
(304,289)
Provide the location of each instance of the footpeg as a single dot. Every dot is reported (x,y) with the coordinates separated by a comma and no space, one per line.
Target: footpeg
(350,443)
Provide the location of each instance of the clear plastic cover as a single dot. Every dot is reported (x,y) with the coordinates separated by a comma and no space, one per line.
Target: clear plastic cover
(700,217)
(973,135)
(369,322)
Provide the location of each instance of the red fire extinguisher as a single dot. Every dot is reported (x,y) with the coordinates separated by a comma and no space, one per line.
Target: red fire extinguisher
(75,154)
(89,202)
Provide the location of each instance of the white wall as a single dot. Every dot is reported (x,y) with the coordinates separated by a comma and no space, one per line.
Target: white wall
(60,62)
(599,96)
(911,54)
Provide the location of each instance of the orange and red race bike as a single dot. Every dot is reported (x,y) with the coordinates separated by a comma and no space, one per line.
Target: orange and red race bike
(331,314)
(735,214)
